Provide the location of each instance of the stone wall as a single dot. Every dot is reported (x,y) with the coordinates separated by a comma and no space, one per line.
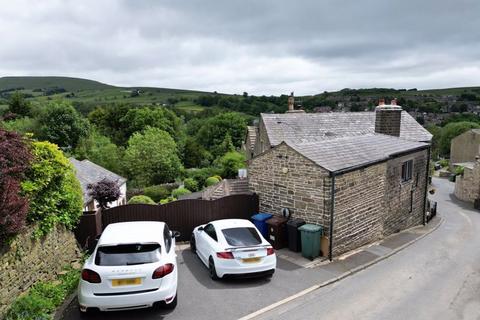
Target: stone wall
(262,143)
(467,186)
(358,207)
(26,261)
(465,147)
(284,179)
(404,201)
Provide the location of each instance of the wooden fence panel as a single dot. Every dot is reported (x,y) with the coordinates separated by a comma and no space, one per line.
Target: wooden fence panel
(184,215)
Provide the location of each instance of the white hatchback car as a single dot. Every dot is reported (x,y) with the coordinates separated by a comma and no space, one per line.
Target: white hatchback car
(133,266)
(233,248)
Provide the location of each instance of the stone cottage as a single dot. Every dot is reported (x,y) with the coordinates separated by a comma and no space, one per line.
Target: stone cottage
(362,176)
(88,173)
(465,148)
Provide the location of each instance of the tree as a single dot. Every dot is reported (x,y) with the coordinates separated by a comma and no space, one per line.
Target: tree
(100,150)
(213,132)
(151,158)
(53,190)
(195,155)
(61,124)
(15,158)
(18,105)
(104,191)
(452,130)
(230,163)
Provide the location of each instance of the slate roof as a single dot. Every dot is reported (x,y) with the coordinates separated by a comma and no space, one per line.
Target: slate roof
(307,127)
(351,152)
(88,172)
(252,135)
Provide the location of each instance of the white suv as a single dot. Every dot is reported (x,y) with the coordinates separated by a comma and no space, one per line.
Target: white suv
(133,266)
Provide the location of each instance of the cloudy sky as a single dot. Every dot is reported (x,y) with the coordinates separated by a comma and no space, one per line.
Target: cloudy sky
(262,47)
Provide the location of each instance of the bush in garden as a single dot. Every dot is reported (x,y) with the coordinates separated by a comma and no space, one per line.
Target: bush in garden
(230,163)
(218,177)
(104,191)
(211,181)
(191,184)
(53,190)
(180,192)
(167,200)
(141,200)
(200,175)
(15,158)
(156,193)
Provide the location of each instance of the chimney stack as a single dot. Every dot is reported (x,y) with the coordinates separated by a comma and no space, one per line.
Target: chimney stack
(291,102)
(388,118)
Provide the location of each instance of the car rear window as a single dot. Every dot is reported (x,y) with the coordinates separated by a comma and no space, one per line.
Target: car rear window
(127,254)
(240,237)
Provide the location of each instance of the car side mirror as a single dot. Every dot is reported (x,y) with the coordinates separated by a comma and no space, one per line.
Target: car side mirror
(176,234)
(200,229)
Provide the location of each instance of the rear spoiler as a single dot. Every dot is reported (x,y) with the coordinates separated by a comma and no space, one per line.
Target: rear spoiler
(264,246)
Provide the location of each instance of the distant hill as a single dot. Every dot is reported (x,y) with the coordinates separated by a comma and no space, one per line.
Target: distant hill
(69,84)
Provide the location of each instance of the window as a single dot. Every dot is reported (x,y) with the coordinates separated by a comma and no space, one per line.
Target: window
(210,230)
(128,254)
(407,169)
(167,236)
(242,237)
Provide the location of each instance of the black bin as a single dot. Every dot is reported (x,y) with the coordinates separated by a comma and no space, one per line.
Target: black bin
(294,238)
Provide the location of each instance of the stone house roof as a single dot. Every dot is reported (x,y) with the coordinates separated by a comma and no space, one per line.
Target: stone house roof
(353,152)
(252,137)
(88,172)
(310,127)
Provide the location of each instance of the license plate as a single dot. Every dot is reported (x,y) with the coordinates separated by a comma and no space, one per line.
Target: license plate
(126,282)
(250,260)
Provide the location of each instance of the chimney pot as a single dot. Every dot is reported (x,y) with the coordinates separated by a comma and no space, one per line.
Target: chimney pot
(381,102)
(291,102)
(393,102)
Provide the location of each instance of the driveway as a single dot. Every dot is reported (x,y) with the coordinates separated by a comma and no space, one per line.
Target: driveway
(437,277)
(199,297)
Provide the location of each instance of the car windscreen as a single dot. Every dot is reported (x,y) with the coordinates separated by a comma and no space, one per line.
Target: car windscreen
(242,237)
(127,254)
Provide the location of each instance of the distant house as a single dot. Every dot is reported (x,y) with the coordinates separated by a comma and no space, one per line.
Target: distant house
(87,173)
(361,175)
(465,147)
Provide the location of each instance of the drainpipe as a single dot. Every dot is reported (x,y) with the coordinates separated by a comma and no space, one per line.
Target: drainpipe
(332,210)
(426,187)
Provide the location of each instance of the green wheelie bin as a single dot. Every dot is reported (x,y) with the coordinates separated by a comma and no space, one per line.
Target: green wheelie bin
(310,234)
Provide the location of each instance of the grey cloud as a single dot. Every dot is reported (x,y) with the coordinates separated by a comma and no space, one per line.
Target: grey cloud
(264,47)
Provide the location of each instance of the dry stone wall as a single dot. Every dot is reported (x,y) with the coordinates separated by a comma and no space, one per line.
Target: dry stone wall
(27,261)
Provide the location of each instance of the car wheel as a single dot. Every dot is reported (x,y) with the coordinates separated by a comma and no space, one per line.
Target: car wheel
(193,247)
(172,305)
(212,270)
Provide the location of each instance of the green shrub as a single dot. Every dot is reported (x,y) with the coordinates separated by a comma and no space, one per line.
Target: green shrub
(53,190)
(230,163)
(444,163)
(200,175)
(191,184)
(459,170)
(167,200)
(218,177)
(41,301)
(211,181)
(141,200)
(180,192)
(156,193)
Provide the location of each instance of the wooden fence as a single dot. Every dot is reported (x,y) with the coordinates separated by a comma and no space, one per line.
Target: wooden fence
(181,215)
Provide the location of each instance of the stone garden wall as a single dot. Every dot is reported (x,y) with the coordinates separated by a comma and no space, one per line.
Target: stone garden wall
(27,261)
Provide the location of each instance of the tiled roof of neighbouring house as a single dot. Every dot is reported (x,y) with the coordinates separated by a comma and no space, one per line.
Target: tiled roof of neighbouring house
(88,172)
(351,152)
(252,134)
(305,127)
